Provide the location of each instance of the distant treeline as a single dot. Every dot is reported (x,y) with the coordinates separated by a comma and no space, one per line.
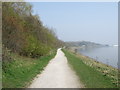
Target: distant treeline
(85,44)
(24,33)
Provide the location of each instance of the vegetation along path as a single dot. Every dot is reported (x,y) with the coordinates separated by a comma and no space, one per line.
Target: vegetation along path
(57,74)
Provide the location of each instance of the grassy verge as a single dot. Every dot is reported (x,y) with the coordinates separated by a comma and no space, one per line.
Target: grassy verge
(90,77)
(19,72)
(0,75)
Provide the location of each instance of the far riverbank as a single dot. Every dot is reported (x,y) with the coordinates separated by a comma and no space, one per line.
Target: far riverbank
(107,55)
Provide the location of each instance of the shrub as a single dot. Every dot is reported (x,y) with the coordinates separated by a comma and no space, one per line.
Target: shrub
(35,48)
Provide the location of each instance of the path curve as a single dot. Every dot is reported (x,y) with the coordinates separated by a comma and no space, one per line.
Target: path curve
(57,74)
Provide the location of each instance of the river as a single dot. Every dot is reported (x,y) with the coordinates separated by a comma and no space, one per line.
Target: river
(106,55)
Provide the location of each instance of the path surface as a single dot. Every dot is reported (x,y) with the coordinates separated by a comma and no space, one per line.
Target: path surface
(57,74)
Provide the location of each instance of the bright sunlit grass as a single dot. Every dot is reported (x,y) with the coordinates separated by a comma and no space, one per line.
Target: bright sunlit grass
(19,72)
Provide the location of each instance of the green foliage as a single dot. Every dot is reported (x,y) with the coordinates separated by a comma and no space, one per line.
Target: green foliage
(24,33)
(34,48)
(90,77)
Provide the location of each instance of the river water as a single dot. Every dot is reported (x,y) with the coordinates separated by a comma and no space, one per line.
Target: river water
(106,55)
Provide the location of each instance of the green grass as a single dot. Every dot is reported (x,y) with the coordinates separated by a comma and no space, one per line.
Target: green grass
(0,75)
(19,72)
(90,77)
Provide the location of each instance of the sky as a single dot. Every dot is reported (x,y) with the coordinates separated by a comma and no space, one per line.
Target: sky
(80,21)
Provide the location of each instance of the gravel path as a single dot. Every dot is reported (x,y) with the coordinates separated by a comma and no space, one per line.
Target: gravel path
(57,74)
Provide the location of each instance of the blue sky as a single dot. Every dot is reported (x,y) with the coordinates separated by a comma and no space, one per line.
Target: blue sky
(77,21)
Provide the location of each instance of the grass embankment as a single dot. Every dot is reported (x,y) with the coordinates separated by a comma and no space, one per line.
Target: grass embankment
(89,76)
(0,74)
(19,72)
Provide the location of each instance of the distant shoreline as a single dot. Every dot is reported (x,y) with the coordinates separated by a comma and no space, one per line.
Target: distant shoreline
(99,58)
(94,60)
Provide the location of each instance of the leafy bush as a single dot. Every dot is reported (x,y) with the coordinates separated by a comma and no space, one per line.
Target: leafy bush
(34,48)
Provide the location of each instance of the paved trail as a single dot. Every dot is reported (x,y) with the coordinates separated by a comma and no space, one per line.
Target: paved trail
(57,74)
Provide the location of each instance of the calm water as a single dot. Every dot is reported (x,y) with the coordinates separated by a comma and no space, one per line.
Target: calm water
(107,55)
